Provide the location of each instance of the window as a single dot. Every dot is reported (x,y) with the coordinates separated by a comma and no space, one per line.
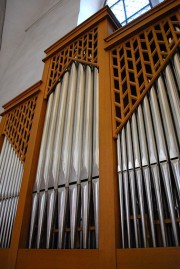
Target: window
(128,10)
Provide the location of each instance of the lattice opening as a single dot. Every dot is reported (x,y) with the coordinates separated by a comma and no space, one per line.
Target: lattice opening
(18,126)
(138,61)
(83,49)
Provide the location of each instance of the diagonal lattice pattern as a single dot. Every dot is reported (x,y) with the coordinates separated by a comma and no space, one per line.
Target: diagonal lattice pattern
(84,48)
(137,62)
(18,126)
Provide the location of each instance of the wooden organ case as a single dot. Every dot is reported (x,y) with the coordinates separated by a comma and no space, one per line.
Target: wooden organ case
(89,155)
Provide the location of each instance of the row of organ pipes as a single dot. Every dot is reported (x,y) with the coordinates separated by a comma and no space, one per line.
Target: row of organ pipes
(66,191)
(149,168)
(65,203)
(11,171)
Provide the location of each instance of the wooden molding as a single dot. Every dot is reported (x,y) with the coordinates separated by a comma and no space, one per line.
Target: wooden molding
(22,97)
(82,28)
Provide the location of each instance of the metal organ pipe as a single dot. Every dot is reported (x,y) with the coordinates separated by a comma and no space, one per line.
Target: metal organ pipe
(11,171)
(68,168)
(148,162)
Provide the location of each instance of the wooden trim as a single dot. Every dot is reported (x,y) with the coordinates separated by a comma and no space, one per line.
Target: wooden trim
(108,190)
(148,258)
(83,62)
(139,24)
(26,187)
(21,222)
(46,94)
(57,259)
(4,253)
(2,124)
(166,61)
(83,27)
(22,97)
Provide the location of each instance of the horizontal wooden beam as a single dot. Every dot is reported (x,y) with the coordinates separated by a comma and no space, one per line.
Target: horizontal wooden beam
(148,258)
(82,28)
(4,252)
(57,259)
(22,97)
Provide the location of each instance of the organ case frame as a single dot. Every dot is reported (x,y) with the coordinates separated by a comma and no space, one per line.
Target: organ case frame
(109,254)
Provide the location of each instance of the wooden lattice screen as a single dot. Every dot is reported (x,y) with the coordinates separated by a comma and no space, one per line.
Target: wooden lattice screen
(136,64)
(18,126)
(83,49)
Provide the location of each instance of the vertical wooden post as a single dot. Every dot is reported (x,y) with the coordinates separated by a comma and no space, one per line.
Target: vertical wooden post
(108,222)
(21,224)
(2,123)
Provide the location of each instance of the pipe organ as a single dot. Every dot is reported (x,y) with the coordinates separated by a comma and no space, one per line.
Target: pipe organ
(89,155)
(65,196)
(148,168)
(11,176)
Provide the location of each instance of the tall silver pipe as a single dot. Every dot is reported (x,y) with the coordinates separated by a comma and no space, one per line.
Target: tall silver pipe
(17,178)
(119,159)
(9,215)
(20,178)
(137,159)
(68,128)
(87,127)
(146,172)
(167,120)
(124,152)
(149,132)
(3,155)
(148,189)
(174,97)
(41,214)
(177,68)
(142,137)
(169,195)
(40,169)
(33,217)
(157,188)
(138,172)
(160,139)
(51,202)
(11,191)
(4,217)
(129,147)
(62,205)
(48,179)
(4,162)
(121,201)
(121,194)
(74,192)
(59,130)
(75,166)
(132,178)
(12,172)
(127,206)
(85,197)
(6,172)
(141,203)
(95,189)
(12,220)
(175,164)
(134,206)
(95,166)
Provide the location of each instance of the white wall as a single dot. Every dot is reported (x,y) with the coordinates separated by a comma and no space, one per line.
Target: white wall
(88,8)
(30,27)
(22,51)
